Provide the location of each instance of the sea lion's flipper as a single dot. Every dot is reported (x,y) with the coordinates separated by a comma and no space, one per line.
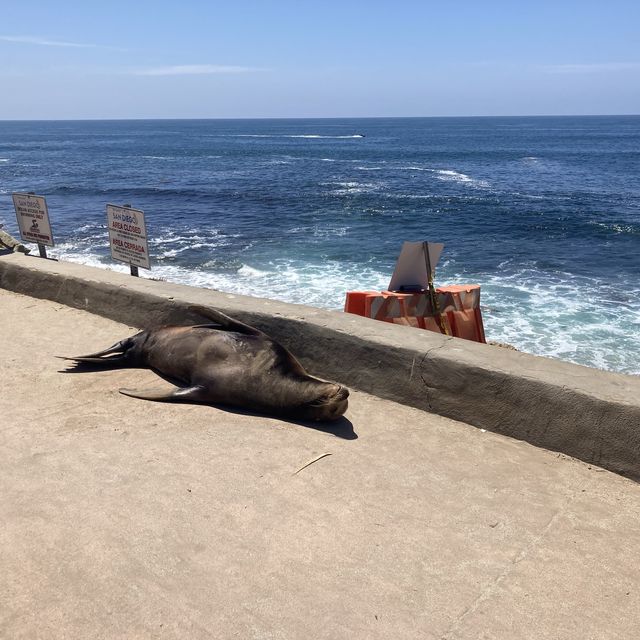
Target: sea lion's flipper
(115,353)
(93,360)
(224,321)
(162,394)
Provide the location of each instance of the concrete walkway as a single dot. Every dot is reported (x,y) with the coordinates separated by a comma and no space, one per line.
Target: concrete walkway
(129,519)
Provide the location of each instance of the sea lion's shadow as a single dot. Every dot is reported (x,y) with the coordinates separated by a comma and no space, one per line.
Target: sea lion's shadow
(89,367)
(341,428)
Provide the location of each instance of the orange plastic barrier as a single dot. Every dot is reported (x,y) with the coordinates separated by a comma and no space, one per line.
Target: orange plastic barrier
(458,309)
(461,303)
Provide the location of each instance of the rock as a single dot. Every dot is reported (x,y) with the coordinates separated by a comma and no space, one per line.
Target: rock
(9,242)
(504,345)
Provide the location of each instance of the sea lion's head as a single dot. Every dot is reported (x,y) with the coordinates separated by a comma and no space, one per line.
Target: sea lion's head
(329,403)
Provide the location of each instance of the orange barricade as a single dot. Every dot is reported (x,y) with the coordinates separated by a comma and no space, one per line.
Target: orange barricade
(461,303)
(458,312)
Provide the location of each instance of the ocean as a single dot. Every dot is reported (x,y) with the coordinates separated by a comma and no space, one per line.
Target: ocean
(542,212)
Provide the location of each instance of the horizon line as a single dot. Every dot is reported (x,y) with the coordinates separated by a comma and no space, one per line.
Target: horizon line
(147,118)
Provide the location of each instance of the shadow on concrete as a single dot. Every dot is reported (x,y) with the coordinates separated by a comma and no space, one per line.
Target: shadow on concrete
(341,428)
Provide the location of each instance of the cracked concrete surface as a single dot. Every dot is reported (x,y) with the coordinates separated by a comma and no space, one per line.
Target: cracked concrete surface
(423,361)
(129,519)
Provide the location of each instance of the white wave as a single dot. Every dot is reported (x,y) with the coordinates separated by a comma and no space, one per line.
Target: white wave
(318,231)
(321,285)
(4,159)
(92,226)
(447,175)
(250,272)
(432,196)
(171,237)
(369,168)
(617,227)
(158,157)
(412,196)
(292,135)
(554,315)
(351,188)
(221,242)
(315,135)
(172,253)
(351,185)
(529,196)
(83,247)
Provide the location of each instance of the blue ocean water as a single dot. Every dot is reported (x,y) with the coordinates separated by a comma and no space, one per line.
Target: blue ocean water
(543,212)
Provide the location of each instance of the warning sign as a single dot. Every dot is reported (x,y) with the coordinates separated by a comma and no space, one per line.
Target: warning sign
(128,236)
(33,218)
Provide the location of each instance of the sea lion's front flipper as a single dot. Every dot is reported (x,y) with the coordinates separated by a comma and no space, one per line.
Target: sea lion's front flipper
(224,321)
(164,394)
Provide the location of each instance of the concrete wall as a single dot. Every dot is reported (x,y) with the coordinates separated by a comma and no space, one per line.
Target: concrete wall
(585,413)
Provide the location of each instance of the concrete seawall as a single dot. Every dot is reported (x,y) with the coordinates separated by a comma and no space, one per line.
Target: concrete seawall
(582,412)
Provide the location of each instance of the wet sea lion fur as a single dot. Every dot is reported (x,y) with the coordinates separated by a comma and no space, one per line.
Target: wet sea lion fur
(227,362)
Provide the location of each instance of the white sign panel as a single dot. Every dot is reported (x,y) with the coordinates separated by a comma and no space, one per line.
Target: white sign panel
(33,218)
(128,236)
(416,265)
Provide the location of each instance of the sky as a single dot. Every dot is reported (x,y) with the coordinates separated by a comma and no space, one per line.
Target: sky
(324,58)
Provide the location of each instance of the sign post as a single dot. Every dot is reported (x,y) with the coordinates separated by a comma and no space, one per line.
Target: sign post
(128,236)
(33,220)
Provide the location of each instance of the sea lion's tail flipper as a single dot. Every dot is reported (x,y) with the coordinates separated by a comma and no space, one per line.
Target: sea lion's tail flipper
(224,321)
(114,354)
(171,394)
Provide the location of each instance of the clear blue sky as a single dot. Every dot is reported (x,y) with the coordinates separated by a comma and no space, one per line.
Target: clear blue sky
(320,58)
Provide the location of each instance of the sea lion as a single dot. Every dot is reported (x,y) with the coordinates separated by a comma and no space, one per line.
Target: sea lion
(229,363)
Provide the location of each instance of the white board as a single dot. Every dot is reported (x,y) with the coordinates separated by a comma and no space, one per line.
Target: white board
(128,236)
(33,218)
(411,268)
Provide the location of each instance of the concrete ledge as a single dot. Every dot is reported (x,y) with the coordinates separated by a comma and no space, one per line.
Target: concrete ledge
(582,412)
